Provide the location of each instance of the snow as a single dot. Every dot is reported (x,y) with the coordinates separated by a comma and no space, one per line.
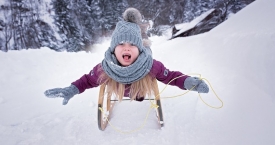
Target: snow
(237,57)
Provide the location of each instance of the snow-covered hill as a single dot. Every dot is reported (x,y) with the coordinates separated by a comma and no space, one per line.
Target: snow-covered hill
(236,57)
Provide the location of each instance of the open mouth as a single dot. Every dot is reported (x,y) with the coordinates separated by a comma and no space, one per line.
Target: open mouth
(126,56)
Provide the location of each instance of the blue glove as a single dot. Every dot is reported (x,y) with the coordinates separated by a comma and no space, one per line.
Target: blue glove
(200,85)
(66,93)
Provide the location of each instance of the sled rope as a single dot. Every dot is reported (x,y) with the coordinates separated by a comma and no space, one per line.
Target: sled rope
(155,106)
(192,89)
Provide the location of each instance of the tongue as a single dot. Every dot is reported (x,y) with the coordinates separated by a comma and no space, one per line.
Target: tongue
(126,57)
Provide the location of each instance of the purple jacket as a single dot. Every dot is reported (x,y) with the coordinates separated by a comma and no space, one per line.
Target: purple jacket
(158,71)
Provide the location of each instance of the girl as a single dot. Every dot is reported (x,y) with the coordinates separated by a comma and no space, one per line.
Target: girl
(128,68)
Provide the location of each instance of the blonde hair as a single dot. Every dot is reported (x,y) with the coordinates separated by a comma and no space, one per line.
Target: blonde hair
(142,88)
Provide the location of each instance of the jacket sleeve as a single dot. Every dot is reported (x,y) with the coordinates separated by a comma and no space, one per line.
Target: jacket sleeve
(88,80)
(164,75)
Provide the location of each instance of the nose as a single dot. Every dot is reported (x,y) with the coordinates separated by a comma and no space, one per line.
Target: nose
(126,46)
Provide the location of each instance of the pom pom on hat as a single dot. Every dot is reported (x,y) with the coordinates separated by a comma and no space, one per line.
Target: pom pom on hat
(132,15)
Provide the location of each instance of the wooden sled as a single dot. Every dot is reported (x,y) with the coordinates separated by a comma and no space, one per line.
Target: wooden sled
(106,104)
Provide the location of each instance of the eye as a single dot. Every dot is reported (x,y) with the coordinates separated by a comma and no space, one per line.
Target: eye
(132,44)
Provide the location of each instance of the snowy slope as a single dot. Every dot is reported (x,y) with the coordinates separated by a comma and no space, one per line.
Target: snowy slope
(236,57)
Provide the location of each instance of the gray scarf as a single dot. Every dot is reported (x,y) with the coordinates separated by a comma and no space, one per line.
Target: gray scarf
(129,74)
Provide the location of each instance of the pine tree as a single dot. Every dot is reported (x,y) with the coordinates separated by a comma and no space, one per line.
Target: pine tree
(65,20)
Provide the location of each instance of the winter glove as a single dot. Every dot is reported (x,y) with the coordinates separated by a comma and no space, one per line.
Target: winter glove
(66,93)
(200,85)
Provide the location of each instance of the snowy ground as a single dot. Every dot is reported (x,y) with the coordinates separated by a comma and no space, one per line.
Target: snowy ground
(237,58)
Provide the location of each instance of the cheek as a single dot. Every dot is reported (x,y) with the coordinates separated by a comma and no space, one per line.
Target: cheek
(117,52)
(117,49)
(117,56)
(136,54)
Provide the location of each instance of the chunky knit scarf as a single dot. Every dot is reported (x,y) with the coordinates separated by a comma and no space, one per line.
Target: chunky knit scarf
(129,74)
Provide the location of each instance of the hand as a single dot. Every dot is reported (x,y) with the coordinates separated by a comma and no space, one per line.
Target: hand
(66,93)
(196,84)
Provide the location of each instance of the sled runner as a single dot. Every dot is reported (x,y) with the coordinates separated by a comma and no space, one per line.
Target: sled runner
(106,104)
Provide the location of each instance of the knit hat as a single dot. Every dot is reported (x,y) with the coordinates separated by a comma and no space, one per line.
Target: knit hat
(128,30)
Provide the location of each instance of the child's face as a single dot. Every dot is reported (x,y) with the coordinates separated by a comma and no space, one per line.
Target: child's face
(126,53)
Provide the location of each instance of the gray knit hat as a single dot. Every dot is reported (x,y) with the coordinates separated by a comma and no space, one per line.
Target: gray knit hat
(128,30)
